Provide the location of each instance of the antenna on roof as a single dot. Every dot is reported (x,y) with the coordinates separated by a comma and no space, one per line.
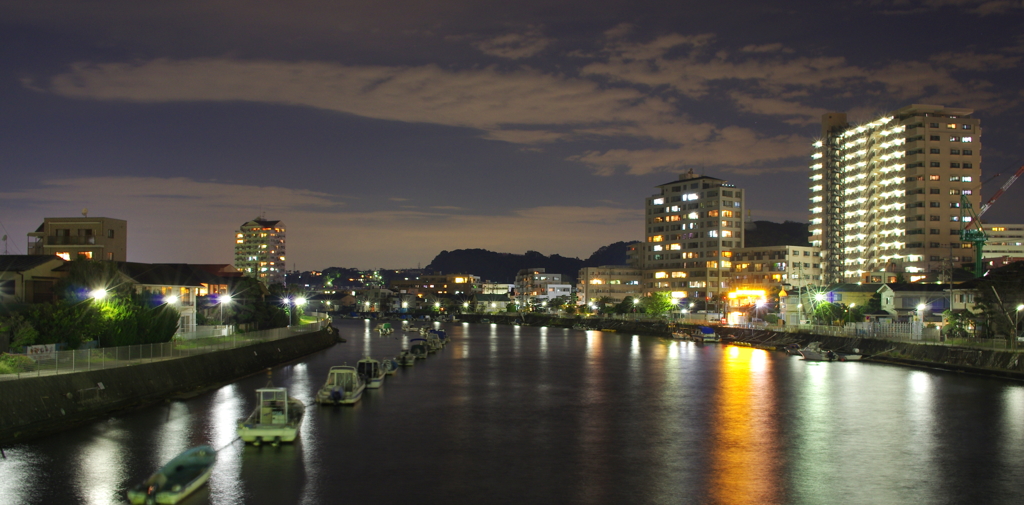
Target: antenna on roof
(85,212)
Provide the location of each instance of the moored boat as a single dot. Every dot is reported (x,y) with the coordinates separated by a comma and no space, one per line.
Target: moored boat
(707,334)
(406,358)
(372,372)
(344,386)
(177,479)
(418,348)
(814,352)
(390,366)
(275,420)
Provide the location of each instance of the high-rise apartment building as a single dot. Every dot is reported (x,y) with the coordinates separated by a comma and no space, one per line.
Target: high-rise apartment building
(886,195)
(259,250)
(693,225)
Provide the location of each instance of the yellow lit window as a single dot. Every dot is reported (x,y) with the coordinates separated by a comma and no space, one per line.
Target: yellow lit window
(66,256)
(673,218)
(596,281)
(712,213)
(726,233)
(660,275)
(727,213)
(727,254)
(656,238)
(678,275)
(726,264)
(712,264)
(675,247)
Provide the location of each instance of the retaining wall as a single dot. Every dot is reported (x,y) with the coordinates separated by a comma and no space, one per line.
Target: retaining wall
(39,405)
(1006,364)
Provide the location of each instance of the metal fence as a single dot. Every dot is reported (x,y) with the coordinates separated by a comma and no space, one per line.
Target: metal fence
(20,366)
(896,332)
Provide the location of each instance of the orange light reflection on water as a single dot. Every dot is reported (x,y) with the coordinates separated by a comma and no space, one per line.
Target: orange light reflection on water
(745,465)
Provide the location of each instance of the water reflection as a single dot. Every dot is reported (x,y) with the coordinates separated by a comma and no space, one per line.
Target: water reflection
(20,474)
(744,464)
(226,409)
(100,465)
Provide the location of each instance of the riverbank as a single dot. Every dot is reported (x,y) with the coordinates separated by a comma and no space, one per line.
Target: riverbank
(40,405)
(986,362)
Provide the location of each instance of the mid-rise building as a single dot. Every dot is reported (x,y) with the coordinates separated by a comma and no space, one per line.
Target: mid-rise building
(614,282)
(96,238)
(1004,240)
(442,284)
(786,266)
(534,283)
(693,225)
(886,195)
(260,250)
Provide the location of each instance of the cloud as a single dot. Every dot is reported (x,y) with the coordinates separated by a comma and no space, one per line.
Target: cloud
(524,106)
(183,220)
(515,46)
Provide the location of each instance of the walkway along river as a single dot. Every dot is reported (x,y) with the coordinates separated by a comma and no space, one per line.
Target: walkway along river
(543,415)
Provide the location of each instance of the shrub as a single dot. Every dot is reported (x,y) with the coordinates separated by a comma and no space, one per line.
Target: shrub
(14,363)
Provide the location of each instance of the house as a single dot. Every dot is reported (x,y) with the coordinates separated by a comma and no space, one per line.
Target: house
(179,285)
(29,278)
(94,238)
(915,302)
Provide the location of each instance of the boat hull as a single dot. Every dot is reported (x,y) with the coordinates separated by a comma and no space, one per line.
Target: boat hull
(179,478)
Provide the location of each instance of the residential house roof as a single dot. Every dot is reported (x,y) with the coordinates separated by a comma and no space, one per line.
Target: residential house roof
(22,262)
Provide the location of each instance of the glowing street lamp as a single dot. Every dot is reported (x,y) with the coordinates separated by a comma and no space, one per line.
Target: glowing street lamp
(98,294)
(222,300)
(170,299)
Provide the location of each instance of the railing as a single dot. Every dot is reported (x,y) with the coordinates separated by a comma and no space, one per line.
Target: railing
(18,366)
(896,332)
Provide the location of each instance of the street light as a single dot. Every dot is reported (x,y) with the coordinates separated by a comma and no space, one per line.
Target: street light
(98,294)
(223,299)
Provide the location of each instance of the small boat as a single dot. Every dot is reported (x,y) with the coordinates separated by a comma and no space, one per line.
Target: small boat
(418,347)
(275,420)
(707,334)
(177,479)
(814,352)
(442,336)
(390,366)
(372,372)
(406,358)
(433,343)
(384,329)
(344,386)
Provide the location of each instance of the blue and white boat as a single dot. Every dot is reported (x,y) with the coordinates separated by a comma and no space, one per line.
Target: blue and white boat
(177,479)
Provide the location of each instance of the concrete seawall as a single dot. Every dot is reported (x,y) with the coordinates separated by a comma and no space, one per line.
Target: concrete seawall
(36,406)
(994,363)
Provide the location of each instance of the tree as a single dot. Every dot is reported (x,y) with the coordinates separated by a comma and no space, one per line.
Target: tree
(21,331)
(828,312)
(657,304)
(957,324)
(998,295)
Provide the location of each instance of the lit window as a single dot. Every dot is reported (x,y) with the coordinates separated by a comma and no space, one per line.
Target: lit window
(660,275)
(966,178)
(66,256)
(933,177)
(678,275)
(658,201)
(951,126)
(965,139)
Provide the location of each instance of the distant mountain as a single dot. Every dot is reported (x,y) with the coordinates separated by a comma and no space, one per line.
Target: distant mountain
(767,233)
(502,267)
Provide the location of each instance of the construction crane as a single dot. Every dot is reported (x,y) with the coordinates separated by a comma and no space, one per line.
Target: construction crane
(970,223)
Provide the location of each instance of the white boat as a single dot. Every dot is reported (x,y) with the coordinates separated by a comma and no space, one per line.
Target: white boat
(344,386)
(814,352)
(433,343)
(384,329)
(372,372)
(390,365)
(275,420)
(406,358)
(177,479)
(418,347)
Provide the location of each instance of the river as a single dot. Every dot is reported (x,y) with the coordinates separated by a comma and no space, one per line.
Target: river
(510,414)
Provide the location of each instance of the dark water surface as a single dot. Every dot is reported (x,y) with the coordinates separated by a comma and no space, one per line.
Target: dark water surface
(536,415)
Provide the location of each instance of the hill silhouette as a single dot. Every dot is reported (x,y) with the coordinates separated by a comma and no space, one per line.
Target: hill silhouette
(502,267)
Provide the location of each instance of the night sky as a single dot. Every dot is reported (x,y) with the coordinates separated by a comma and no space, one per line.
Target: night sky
(384,132)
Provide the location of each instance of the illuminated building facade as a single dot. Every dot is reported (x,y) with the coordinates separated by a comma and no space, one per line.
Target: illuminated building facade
(537,284)
(786,266)
(260,250)
(95,238)
(614,282)
(1004,241)
(443,284)
(886,195)
(693,225)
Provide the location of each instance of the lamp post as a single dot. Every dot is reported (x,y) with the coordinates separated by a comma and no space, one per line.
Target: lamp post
(221,300)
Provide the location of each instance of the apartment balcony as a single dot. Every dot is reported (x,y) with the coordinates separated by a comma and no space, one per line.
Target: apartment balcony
(71,240)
